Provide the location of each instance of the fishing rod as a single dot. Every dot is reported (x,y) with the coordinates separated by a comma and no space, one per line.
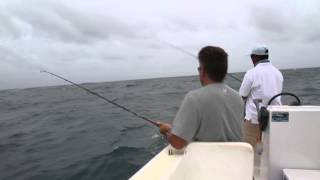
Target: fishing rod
(192,55)
(101,97)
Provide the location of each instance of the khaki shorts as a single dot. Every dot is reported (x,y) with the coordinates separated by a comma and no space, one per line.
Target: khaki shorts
(251,133)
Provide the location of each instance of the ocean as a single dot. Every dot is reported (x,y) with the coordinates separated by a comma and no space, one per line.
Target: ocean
(63,132)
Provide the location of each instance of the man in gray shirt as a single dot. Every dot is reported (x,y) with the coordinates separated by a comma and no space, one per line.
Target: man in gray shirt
(211,113)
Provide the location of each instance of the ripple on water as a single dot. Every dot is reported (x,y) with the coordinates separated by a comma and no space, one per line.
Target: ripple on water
(62,132)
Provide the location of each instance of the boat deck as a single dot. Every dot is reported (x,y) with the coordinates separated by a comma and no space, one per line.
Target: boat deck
(260,166)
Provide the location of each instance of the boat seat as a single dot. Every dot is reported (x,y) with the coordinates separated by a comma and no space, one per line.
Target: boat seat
(218,161)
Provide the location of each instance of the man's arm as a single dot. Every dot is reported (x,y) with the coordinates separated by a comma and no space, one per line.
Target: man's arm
(176,141)
(246,85)
(185,124)
(244,98)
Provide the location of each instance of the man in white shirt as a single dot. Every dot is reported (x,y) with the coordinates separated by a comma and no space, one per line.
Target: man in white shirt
(261,82)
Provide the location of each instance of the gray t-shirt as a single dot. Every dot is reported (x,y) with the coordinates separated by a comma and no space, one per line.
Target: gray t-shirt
(211,113)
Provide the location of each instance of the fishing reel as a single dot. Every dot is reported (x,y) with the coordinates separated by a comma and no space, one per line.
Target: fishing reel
(263,113)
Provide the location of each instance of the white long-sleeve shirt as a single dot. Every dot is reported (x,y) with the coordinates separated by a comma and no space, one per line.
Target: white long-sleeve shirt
(261,82)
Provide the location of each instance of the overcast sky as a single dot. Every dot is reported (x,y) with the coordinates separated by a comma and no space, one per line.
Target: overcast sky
(95,40)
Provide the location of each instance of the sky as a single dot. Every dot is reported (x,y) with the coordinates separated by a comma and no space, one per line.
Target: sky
(98,41)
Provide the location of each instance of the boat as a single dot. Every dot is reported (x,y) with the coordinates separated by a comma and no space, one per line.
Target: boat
(290,150)
(194,162)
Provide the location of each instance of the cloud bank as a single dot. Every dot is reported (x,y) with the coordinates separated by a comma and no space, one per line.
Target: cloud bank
(90,41)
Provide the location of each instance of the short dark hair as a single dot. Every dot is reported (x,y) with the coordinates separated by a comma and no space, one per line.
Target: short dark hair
(261,57)
(214,61)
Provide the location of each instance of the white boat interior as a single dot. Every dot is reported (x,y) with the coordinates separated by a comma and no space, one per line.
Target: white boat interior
(290,151)
(196,162)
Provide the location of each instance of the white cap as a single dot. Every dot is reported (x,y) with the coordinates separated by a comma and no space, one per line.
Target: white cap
(260,50)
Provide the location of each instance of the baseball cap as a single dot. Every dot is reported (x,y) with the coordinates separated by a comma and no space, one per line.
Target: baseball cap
(260,50)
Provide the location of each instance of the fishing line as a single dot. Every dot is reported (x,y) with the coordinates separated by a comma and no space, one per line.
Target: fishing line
(101,97)
(192,55)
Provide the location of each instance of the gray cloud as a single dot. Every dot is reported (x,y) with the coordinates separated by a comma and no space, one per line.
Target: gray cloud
(312,29)
(60,22)
(95,40)
(154,46)
(178,24)
(272,24)
(114,57)
(314,36)
(269,19)
(283,25)
(14,59)
(8,28)
(143,57)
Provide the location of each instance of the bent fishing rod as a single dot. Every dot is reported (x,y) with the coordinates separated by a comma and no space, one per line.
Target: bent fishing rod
(105,99)
(192,55)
